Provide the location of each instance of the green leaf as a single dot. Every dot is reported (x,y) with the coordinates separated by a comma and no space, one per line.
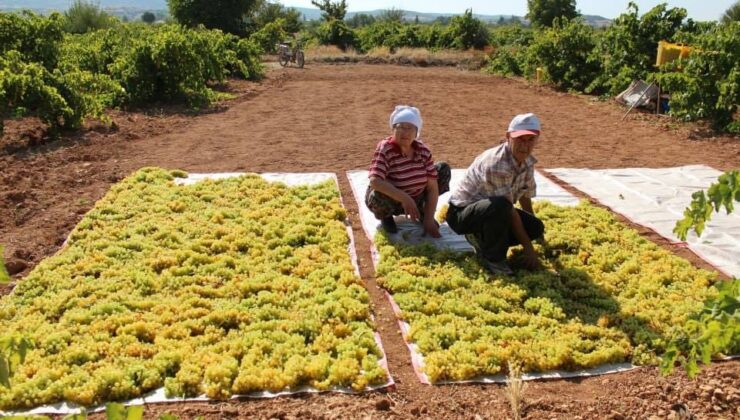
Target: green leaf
(668,361)
(135,412)
(169,416)
(4,276)
(115,411)
(77,416)
(699,211)
(4,372)
(692,368)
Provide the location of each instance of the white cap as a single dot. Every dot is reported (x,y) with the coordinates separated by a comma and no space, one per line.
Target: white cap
(406,114)
(524,124)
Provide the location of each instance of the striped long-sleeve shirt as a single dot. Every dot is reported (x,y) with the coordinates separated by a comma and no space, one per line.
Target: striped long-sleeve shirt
(409,174)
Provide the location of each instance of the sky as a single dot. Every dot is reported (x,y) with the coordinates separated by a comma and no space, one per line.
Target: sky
(697,9)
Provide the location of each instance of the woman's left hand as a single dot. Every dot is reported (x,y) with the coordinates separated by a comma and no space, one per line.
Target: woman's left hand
(431,227)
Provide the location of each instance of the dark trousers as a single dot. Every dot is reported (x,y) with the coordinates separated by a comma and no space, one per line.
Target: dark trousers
(383,206)
(490,222)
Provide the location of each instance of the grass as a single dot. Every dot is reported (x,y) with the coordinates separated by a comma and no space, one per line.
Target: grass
(405,56)
(515,389)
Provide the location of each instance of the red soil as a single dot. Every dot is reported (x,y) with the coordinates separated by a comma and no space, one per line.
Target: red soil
(329,118)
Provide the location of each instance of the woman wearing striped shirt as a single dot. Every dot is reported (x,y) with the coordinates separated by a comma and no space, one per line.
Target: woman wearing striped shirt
(403,176)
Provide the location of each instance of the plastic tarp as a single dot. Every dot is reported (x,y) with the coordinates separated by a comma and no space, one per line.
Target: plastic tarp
(158,395)
(656,198)
(638,93)
(412,233)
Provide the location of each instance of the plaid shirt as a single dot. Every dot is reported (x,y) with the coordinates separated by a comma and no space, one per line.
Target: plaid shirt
(495,173)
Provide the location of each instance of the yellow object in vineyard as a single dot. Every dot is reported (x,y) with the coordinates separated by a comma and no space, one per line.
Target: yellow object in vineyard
(668,52)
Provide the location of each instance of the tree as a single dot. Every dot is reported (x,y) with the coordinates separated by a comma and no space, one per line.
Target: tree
(83,16)
(732,14)
(465,32)
(148,17)
(392,15)
(227,15)
(543,12)
(336,32)
(331,10)
(360,19)
(270,12)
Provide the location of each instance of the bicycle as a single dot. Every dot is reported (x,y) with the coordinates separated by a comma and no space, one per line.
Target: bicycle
(286,55)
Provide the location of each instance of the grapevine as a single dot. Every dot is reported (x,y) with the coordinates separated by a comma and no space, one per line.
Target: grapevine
(723,193)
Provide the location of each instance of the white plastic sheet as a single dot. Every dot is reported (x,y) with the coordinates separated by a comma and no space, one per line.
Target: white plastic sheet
(411,233)
(656,198)
(158,395)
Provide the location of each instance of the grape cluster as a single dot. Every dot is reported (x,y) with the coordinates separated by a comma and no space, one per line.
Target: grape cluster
(221,287)
(606,295)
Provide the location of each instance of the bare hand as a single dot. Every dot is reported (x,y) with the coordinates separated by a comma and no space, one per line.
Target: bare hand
(409,207)
(531,260)
(432,228)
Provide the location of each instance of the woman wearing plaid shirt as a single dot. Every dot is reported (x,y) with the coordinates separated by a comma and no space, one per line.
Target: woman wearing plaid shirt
(482,207)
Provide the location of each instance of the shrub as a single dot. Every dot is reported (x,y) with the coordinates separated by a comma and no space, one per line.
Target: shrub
(4,276)
(95,51)
(376,34)
(35,37)
(708,85)
(466,32)
(336,32)
(511,35)
(564,52)
(270,35)
(29,88)
(248,59)
(83,16)
(628,49)
(504,61)
(432,36)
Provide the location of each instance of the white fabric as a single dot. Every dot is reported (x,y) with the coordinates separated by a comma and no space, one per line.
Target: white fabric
(158,395)
(638,93)
(406,114)
(417,361)
(412,233)
(289,179)
(656,198)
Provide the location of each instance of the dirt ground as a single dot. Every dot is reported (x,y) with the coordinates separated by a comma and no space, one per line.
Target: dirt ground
(328,118)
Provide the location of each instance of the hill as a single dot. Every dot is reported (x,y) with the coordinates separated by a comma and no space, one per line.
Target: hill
(134,8)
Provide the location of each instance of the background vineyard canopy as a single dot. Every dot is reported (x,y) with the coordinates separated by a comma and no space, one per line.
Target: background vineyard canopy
(64,78)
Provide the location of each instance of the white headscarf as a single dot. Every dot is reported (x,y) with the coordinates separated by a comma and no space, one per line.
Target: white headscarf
(406,114)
